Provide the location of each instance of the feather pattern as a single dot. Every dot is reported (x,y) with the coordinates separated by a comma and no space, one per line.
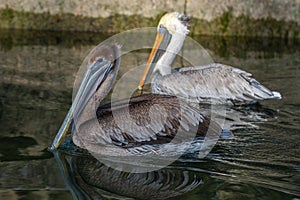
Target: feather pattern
(144,121)
(214,83)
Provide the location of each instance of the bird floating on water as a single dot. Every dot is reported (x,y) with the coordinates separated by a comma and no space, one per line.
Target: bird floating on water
(156,118)
(213,83)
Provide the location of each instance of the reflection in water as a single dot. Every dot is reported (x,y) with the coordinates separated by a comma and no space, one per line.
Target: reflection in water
(240,117)
(214,177)
(261,161)
(84,175)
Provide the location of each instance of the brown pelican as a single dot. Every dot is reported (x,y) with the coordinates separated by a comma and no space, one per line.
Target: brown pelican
(214,83)
(156,118)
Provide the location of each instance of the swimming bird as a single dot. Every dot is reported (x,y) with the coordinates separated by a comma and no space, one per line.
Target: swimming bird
(146,124)
(212,83)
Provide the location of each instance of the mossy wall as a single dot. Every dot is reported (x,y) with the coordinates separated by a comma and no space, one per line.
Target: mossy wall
(272,18)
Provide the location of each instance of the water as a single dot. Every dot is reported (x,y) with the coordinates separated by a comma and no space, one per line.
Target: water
(38,69)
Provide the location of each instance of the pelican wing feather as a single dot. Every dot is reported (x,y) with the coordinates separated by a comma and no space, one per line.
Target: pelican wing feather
(214,83)
(146,119)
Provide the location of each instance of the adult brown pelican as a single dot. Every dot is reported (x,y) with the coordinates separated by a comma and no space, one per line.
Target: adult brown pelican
(215,83)
(141,125)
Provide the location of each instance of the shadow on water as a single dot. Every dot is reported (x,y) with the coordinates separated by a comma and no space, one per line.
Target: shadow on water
(38,70)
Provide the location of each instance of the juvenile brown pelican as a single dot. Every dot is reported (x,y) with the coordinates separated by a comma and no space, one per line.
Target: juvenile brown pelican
(156,118)
(215,83)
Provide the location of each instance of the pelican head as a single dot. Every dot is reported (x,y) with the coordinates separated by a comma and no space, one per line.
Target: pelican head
(175,23)
(171,32)
(102,65)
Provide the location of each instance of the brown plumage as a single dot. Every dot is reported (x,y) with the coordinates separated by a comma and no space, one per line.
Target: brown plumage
(154,120)
(146,124)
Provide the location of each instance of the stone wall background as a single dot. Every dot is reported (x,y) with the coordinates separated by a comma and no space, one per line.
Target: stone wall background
(280,18)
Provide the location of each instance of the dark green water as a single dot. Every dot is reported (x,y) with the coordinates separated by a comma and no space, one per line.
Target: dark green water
(38,69)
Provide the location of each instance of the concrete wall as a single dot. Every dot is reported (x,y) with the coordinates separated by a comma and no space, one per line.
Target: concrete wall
(219,17)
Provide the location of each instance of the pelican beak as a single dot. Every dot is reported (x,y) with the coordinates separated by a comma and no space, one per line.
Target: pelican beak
(96,73)
(161,42)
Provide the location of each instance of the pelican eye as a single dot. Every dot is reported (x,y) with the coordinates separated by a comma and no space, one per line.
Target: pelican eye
(99,60)
(96,63)
(162,29)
